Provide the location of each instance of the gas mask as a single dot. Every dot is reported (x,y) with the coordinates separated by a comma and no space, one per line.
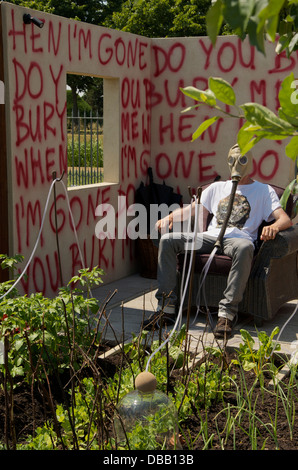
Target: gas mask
(240,165)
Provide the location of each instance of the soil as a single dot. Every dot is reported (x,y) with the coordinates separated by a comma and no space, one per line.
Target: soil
(31,412)
(264,411)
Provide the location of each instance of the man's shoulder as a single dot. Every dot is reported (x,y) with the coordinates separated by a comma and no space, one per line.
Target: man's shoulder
(264,186)
(215,187)
(219,184)
(258,185)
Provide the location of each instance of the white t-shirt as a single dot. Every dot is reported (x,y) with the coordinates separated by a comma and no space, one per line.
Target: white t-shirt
(253,203)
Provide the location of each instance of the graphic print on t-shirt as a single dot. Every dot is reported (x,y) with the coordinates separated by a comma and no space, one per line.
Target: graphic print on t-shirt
(239,214)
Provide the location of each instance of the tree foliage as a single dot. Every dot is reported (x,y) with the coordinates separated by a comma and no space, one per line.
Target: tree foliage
(260,122)
(259,19)
(89,11)
(161,18)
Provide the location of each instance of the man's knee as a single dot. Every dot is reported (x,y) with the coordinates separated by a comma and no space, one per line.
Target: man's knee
(171,241)
(165,240)
(240,247)
(245,248)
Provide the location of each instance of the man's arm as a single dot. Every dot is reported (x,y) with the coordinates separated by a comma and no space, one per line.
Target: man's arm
(282,222)
(178,215)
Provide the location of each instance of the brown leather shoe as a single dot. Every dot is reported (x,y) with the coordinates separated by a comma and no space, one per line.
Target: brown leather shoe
(223,329)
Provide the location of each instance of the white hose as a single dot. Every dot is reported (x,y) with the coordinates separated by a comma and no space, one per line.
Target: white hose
(202,279)
(285,324)
(179,316)
(40,231)
(73,224)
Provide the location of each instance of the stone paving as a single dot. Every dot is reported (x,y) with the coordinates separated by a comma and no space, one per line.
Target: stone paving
(134,296)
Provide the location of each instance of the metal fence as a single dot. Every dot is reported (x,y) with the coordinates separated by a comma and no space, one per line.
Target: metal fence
(84,149)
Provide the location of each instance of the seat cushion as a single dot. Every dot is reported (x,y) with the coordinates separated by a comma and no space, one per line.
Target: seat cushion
(220,264)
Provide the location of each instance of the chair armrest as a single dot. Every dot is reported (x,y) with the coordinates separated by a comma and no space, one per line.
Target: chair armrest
(285,243)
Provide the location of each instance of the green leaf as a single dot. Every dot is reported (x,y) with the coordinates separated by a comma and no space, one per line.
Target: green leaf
(246,133)
(285,196)
(292,188)
(246,138)
(222,90)
(190,108)
(292,148)
(17,371)
(260,115)
(267,17)
(283,42)
(214,19)
(293,43)
(18,344)
(274,332)
(48,338)
(248,365)
(272,24)
(256,27)
(203,127)
(237,13)
(288,107)
(206,97)
(246,336)
(33,336)
(177,354)
(293,120)
(256,38)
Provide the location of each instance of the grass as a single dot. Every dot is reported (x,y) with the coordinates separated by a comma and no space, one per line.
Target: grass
(85,159)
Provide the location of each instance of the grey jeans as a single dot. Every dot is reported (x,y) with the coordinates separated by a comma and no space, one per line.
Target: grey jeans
(240,250)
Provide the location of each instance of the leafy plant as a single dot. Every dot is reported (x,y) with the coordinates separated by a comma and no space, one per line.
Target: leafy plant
(41,332)
(291,189)
(9,263)
(79,424)
(260,122)
(88,278)
(257,19)
(81,154)
(251,358)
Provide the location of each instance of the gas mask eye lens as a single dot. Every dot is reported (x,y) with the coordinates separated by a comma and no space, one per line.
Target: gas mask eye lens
(243,160)
(231,160)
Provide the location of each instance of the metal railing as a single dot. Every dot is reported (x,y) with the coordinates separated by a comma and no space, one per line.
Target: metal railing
(84,149)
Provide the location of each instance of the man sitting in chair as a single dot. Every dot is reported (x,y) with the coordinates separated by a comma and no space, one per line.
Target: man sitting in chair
(253,203)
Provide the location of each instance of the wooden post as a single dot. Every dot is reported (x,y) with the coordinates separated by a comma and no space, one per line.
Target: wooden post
(4,245)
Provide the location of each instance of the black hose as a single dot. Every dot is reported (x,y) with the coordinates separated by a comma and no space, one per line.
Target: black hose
(218,243)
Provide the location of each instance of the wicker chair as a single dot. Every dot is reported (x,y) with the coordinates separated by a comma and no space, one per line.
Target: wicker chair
(274,274)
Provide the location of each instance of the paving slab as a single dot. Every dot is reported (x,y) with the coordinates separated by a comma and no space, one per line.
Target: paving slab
(133,298)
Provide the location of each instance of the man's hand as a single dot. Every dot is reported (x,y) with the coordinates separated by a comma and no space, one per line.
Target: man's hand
(282,222)
(163,224)
(269,233)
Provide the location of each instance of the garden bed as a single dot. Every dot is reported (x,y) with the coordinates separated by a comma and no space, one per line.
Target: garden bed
(263,414)
(256,418)
(60,383)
